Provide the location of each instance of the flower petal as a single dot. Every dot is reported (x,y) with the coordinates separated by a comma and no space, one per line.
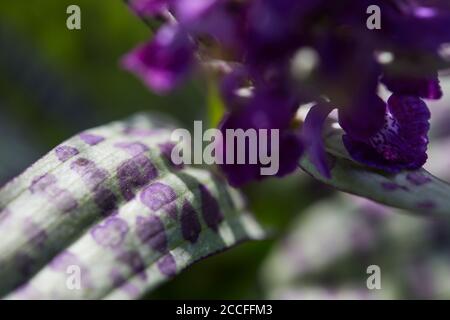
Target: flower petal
(364,117)
(426,87)
(266,110)
(191,10)
(420,25)
(164,62)
(401,143)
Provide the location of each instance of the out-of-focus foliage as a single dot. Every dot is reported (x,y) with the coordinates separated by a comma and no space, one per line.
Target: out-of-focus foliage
(328,251)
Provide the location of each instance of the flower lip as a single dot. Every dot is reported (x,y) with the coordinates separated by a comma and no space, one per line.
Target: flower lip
(401,143)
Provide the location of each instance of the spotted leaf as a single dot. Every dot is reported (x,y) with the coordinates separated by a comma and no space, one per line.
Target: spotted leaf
(107,215)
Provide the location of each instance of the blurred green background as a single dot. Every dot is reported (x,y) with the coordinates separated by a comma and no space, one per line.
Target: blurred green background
(55,82)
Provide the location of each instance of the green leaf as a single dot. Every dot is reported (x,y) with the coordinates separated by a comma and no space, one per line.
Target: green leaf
(109,204)
(417,191)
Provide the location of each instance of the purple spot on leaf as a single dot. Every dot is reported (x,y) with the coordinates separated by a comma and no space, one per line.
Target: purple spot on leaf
(119,281)
(91,139)
(132,148)
(91,175)
(157,195)
(106,200)
(64,153)
(390,186)
(190,226)
(135,173)
(417,178)
(36,235)
(42,183)
(171,210)
(210,209)
(426,205)
(151,231)
(111,233)
(167,265)
(47,186)
(62,261)
(134,261)
(94,177)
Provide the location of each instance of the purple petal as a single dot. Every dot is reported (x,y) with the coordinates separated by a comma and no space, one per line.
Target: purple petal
(266,110)
(348,76)
(208,17)
(312,137)
(401,143)
(423,87)
(91,139)
(363,119)
(420,25)
(164,62)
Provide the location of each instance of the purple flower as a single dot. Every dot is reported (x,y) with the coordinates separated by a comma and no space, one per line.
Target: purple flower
(418,25)
(261,42)
(401,143)
(424,86)
(163,62)
(191,10)
(259,113)
(312,132)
